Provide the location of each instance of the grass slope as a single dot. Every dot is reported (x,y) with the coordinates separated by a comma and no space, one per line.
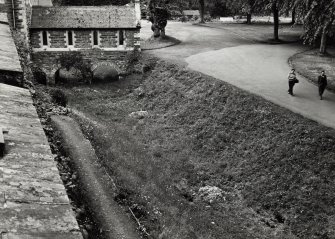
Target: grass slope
(275,168)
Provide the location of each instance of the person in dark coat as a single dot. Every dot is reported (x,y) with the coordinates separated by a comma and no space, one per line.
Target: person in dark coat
(322,83)
(292,79)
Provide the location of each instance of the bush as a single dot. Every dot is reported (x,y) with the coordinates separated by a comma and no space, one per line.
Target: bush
(183,19)
(133,57)
(207,18)
(195,18)
(39,75)
(75,60)
(58,97)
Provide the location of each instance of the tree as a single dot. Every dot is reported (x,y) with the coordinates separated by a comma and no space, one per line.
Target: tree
(218,8)
(202,10)
(158,16)
(242,7)
(319,17)
(276,7)
(159,11)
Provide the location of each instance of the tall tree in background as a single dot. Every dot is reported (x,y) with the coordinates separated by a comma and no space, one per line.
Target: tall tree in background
(276,7)
(319,17)
(202,10)
(242,7)
(158,15)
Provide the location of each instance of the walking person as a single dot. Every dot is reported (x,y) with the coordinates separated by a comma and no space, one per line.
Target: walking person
(322,83)
(292,79)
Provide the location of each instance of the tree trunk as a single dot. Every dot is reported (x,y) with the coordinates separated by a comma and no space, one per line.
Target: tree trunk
(202,10)
(293,16)
(162,33)
(275,23)
(249,18)
(323,45)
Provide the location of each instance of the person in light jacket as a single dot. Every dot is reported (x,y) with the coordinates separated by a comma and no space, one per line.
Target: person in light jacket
(292,79)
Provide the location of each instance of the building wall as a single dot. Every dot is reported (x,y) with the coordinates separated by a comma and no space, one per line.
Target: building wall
(107,51)
(84,39)
(57,39)
(35,40)
(19,19)
(108,38)
(48,61)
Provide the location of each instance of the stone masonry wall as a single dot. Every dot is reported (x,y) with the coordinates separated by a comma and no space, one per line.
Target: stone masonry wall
(35,40)
(83,39)
(48,60)
(108,38)
(57,39)
(20,21)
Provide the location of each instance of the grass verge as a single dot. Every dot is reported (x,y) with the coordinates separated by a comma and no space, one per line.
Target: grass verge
(311,63)
(204,159)
(261,32)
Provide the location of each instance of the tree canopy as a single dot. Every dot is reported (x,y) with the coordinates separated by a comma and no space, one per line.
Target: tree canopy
(318,17)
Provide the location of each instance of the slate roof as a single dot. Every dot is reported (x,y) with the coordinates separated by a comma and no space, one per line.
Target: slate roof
(191,12)
(84,17)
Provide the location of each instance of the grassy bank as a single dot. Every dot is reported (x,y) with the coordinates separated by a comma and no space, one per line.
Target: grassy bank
(207,160)
(311,63)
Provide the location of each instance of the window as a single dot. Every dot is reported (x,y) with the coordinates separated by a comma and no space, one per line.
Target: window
(121,37)
(70,38)
(95,38)
(44,38)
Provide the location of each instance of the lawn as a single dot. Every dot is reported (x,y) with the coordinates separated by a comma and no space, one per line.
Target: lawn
(261,32)
(311,63)
(207,160)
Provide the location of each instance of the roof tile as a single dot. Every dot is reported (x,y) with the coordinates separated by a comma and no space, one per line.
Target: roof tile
(84,17)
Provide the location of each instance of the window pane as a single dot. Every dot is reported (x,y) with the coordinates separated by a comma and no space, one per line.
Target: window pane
(70,38)
(95,38)
(45,38)
(121,37)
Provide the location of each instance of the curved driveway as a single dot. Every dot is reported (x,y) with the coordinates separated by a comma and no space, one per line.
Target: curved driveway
(231,53)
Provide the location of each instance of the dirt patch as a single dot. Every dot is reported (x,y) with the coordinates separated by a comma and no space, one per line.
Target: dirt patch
(311,63)
(208,160)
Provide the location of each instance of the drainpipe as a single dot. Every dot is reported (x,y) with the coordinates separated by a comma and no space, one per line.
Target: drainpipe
(14,24)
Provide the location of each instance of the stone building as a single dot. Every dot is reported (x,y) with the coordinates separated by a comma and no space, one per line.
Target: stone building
(102,34)
(191,13)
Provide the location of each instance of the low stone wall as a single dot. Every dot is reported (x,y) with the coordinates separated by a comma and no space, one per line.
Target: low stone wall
(48,61)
